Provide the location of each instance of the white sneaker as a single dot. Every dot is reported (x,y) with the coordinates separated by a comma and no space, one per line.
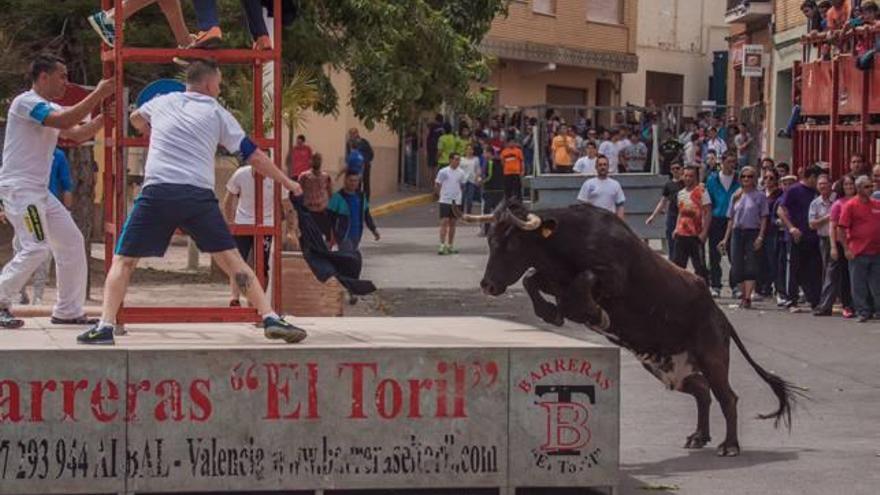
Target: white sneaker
(715,292)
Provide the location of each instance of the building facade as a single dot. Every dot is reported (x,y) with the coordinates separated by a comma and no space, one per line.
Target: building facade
(751,25)
(677,45)
(789,25)
(563,52)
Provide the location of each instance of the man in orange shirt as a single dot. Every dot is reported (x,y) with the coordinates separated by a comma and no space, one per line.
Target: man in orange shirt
(513,164)
(563,151)
(838,15)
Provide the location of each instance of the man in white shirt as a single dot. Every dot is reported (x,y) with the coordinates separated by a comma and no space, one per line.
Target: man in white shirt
(603,191)
(623,142)
(239,206)
(586,165)
(448,185)
(41,222)
(185,130)
(609,149)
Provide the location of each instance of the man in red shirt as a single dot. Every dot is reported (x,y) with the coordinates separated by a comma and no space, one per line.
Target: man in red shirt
(300,157)
(861,220)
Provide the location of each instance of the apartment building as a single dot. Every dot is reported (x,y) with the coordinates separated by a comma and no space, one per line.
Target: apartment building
(563,52)
(749,91)
(680,44)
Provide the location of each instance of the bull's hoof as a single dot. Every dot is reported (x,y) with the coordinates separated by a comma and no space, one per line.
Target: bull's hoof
(697,440)
(604,322)
(728,449)
(550,314)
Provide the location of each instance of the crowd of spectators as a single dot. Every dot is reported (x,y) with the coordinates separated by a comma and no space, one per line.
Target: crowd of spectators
(800,238)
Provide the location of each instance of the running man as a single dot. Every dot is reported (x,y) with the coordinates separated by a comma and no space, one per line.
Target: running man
(41,223)
(184,131)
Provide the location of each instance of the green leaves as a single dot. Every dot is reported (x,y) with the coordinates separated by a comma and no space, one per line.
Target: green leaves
(404,56)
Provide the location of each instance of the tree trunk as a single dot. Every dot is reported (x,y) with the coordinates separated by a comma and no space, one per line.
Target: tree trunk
(83,171)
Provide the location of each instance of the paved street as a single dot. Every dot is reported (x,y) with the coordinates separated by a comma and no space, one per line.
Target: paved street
(833,447)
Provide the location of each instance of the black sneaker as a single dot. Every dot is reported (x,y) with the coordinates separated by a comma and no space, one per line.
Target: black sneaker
(96,336)
(277,328)
(8,321)
(82,320)
(863,318)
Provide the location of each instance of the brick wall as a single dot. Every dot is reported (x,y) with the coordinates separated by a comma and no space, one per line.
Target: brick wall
(788,15)
(568,27)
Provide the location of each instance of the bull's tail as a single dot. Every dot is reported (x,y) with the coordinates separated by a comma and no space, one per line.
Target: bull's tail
(786,392)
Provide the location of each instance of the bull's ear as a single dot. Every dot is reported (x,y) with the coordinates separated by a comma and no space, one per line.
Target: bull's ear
(548,227)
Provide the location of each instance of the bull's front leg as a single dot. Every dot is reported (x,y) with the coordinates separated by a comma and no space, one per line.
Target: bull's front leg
(535,283)
(578,303)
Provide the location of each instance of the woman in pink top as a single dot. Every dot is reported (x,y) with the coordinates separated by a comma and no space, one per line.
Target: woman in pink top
(837,273)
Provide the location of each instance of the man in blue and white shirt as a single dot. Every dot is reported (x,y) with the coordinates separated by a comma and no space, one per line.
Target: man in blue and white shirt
(41,223)
(185,130)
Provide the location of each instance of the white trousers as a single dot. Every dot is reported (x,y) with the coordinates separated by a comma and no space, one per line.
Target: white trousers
(43,226)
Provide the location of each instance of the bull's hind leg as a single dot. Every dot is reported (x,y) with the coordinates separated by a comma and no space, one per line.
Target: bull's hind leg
(716,366)
(535,283)
(697,386)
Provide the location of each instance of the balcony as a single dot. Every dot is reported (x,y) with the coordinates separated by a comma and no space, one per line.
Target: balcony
(748,11)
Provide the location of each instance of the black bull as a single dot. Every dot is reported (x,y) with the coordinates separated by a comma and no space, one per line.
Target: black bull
(604,276)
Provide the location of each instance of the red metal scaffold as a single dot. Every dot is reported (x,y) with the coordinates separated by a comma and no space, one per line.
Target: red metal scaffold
(838,101)
(115,204)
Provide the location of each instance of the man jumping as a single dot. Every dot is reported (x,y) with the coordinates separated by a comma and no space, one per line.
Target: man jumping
(184,131)
(41,223)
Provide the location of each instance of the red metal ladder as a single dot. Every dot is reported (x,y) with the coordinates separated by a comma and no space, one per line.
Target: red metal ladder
(115,141)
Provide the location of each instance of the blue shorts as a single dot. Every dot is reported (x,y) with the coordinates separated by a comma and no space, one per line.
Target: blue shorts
(163,208)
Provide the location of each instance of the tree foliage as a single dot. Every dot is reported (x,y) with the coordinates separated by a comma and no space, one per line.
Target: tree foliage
(404,56)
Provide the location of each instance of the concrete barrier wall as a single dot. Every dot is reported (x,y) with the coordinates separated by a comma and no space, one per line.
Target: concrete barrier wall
(129,421)
(642,191)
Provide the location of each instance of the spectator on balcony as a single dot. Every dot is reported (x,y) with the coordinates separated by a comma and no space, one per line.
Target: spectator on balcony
(836,283)
(838,14)
(861,220)
(815,19)
(104,24)
(867,43)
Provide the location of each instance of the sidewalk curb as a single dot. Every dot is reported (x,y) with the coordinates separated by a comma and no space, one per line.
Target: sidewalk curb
(401,204)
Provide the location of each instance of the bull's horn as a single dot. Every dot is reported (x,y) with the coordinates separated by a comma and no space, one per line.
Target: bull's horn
(478,218)
(532,221)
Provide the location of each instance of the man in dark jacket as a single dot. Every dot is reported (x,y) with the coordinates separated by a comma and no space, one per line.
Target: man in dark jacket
(349,211)
(355,141)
